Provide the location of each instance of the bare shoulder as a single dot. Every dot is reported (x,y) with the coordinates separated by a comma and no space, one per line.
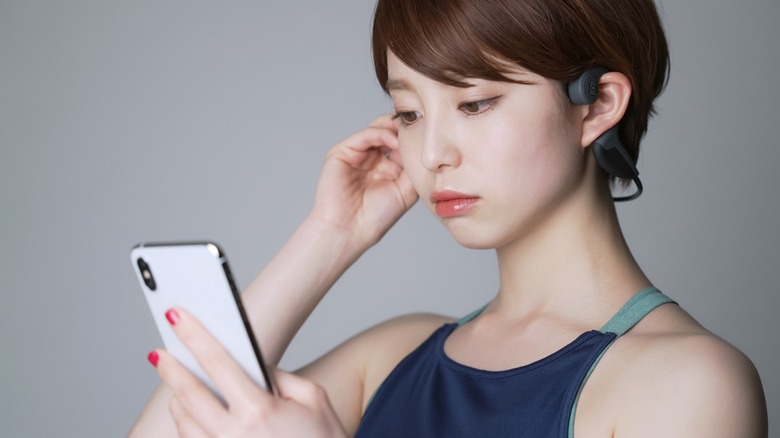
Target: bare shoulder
(351,372)
(671,367)
(386,344)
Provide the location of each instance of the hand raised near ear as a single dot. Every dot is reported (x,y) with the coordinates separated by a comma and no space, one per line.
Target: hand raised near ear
(363,187)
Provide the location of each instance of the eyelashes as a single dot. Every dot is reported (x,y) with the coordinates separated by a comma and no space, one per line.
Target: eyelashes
(406,117)
(470,109)
(478,107)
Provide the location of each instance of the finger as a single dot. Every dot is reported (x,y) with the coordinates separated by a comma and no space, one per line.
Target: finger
(366,148)
(193,396)
(407,190)
(185,424)
(371,137)
(301,390)
(391,151)
(224,371)
(385,121)
(394,155)
(392,169)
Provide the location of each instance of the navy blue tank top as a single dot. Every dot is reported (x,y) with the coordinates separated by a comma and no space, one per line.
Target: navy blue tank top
(430,395)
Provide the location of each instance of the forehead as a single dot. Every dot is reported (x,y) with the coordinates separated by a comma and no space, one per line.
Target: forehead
(400,77)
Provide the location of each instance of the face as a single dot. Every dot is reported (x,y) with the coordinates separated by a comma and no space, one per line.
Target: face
(495,161)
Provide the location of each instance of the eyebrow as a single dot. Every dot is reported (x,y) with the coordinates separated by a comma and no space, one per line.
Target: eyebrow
(404,85)
(397,85)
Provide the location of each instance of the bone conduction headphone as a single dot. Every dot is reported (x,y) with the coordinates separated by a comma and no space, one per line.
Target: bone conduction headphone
(609,151)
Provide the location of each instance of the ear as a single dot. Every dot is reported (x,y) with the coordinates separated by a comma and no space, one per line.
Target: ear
(609,108)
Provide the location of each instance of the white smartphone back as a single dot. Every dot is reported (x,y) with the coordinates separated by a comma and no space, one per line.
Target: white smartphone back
(195,276)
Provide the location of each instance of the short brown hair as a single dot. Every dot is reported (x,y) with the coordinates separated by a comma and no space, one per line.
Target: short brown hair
(446,40)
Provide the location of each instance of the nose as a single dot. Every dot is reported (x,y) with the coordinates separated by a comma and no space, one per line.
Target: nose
(439,148)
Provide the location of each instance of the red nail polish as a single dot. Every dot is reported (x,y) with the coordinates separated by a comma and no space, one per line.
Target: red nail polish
(153,358)
(172,316)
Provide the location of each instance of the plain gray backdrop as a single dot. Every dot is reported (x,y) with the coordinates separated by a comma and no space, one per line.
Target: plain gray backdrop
(180,120)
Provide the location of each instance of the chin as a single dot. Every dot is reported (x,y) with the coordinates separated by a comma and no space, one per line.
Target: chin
(475,240)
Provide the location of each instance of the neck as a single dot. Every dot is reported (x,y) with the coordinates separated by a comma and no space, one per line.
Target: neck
(575,265)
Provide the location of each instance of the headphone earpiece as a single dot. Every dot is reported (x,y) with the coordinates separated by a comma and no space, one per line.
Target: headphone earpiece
(585,89)
(608,150)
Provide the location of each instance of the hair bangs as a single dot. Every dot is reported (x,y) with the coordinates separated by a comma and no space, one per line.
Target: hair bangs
(438,39)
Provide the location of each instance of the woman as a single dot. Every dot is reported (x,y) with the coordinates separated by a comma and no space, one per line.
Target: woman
(487,133)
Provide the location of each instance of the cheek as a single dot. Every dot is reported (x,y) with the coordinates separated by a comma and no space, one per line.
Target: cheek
(535,155)
(405,150)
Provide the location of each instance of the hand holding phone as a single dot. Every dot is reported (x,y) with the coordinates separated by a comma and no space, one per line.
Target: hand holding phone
(247,410)
(196,277)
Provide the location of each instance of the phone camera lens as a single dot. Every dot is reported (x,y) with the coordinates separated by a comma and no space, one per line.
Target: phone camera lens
(146,274)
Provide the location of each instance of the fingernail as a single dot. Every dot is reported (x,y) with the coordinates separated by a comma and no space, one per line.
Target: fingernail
(153,358)
(172,316)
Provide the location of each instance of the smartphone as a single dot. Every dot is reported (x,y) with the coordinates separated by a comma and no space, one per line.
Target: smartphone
(195,276)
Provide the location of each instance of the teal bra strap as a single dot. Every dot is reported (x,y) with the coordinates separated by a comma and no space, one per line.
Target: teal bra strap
(634,310)
(470,316)
(642,303)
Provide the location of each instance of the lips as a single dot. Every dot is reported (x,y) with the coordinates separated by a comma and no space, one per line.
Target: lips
(449,203)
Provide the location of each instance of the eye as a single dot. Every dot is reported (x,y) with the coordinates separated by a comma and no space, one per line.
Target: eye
(479,106)
(407,117)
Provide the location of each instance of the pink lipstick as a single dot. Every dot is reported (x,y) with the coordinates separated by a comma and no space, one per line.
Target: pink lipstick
(449,203)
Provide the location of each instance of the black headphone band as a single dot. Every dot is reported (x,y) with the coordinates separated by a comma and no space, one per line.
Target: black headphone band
(608,150)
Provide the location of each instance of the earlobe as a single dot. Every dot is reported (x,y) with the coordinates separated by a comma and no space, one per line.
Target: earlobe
(614,92)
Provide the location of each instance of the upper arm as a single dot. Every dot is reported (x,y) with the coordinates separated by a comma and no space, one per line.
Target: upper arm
(351,372)
(704,387)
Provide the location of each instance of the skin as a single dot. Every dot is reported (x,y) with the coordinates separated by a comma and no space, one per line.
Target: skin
(521,151)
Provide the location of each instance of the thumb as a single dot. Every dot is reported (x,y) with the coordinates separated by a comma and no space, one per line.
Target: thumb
(298,389)
(408,192)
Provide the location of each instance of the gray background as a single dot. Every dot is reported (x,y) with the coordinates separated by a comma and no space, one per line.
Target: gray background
(168,120)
